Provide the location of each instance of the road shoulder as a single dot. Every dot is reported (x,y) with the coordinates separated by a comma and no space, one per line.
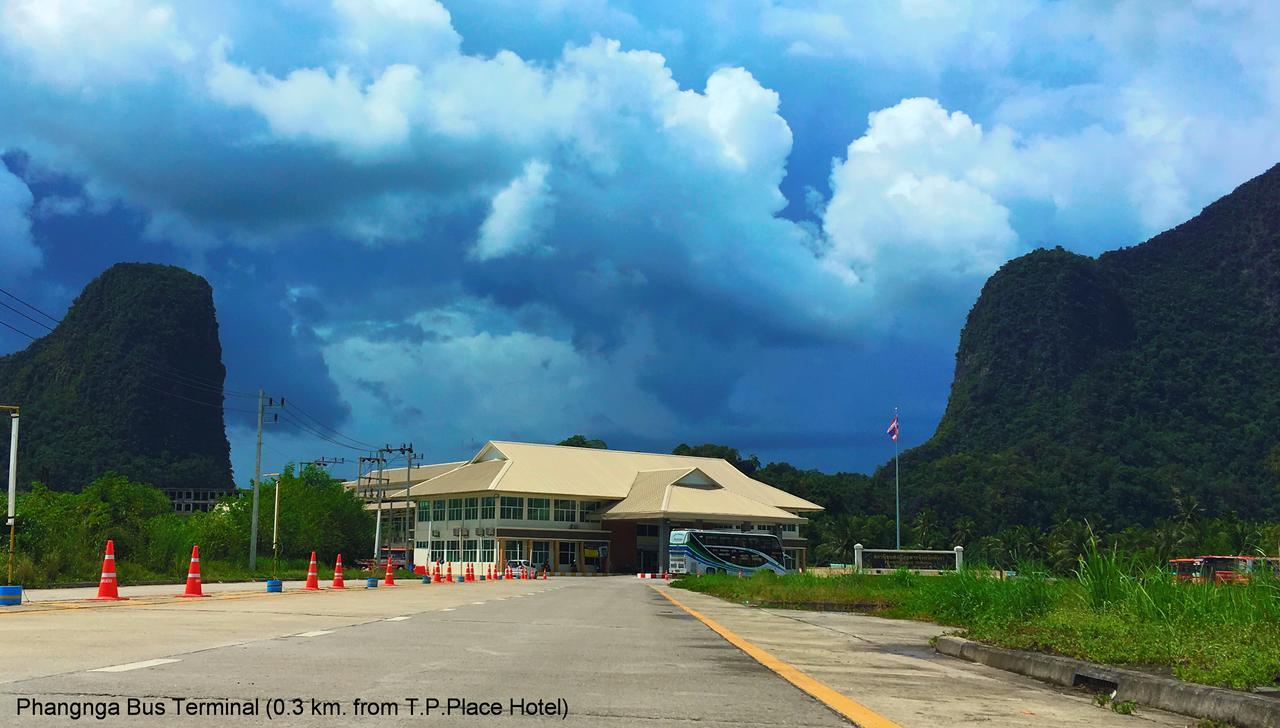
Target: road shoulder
(889,667)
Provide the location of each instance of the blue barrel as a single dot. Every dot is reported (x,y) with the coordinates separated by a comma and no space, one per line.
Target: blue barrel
(371,583)
(10,596)
(426,579)
(275,585)
(480,578)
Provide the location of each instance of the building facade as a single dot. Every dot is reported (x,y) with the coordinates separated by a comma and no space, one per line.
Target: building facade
(582,510)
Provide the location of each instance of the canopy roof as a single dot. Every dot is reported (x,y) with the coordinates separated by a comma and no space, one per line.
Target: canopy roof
(690,493)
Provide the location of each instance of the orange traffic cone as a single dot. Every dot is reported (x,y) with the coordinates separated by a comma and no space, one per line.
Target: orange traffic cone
(193,576)
(448,573)
(338,583)
(313,580)
(435,578)
(544,573)
(390,578)
(471,572)
(107,591)
(524,574)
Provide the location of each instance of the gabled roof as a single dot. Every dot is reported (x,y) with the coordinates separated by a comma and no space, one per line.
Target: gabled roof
(396,477)
(609,474)
(690,493)
(524,468)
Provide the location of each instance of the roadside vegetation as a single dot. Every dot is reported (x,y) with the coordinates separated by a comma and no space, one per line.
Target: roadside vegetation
(1111,610)
(61,535)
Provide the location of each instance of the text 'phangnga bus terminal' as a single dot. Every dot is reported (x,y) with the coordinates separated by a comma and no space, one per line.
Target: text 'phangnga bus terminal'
(571,509)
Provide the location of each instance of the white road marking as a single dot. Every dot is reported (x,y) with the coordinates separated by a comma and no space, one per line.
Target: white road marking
(395,619)
(477,603)
(316,633)
(136,665)
(447,609)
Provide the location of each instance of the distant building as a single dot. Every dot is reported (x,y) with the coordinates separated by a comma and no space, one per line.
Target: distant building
(575,509)
(193,500)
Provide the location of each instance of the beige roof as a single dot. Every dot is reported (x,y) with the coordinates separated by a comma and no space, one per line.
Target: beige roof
(469,479)
(396,477)
(592,473)
(635,478)
(690,493)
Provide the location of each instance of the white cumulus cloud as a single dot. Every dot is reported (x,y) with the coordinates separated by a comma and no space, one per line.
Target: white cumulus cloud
(518,216)
(73,44)
(18,252)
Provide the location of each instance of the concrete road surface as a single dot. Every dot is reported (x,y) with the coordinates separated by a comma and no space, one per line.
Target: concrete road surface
(609,651)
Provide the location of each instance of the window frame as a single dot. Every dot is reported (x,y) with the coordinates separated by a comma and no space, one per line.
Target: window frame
(564,510)
(538,512)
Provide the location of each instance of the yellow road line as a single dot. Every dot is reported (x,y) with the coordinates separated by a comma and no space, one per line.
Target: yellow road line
(828,696)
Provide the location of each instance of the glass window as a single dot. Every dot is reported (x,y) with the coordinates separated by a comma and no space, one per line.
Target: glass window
(568,552)
(539,509)
(455,509)
(424,511)
(790,527)
(513,508)
(513,549)
(541,552)
(486,550)
(437,510)
(451,551)
(437,550)
(566,510)
(469,550)
(420,544)
(590,510)
(472,510)
(645,529)
(488,507)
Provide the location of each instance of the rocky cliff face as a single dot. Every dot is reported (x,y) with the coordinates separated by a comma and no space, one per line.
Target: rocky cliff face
(130,382)
(1107,387)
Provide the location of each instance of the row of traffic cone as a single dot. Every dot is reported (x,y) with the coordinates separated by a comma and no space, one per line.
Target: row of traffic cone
(109,589)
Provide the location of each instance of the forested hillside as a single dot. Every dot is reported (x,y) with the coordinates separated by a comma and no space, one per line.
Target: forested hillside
(1138,386)
(124,383)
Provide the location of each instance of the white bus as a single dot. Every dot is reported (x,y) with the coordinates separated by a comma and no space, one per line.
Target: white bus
(724,552)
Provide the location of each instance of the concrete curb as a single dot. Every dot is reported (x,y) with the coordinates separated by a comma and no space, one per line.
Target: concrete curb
(1199,701)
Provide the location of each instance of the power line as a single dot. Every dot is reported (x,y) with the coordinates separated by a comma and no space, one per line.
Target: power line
(364,445)
(317,433)
(23,315)
(219,406)
(20,331)
(33,308)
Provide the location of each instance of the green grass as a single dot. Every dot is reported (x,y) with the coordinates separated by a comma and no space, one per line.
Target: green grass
(1111,611)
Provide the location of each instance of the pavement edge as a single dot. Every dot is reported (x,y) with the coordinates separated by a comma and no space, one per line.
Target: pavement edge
(1175,696)
(842,704)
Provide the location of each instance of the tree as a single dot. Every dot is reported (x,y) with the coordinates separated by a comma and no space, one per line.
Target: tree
(582,441)
(747,465)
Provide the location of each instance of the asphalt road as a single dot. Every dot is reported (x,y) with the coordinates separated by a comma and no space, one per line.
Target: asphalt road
(612,651)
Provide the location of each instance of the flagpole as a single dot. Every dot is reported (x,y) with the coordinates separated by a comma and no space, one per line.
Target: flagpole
(897,502)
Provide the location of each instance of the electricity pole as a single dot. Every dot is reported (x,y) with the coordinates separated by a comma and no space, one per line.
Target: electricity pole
(377,533)
(13,478)
(263,403)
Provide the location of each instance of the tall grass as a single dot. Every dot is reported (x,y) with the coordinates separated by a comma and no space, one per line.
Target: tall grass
(1114,611)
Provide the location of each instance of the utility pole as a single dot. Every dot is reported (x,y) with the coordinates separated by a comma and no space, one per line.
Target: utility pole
(377,533)
(263,403)
(409,517)
(13,478)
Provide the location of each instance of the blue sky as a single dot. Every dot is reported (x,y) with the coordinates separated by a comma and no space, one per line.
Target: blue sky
(756,223)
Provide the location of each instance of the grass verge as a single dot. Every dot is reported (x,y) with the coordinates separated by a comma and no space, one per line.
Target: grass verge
(1110,612)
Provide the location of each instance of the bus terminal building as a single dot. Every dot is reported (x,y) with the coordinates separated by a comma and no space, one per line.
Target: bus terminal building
(580,510)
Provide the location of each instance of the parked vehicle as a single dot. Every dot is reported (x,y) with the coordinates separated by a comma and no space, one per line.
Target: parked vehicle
(1223,569)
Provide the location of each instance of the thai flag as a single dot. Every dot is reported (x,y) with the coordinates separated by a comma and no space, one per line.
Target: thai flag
(893,429)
